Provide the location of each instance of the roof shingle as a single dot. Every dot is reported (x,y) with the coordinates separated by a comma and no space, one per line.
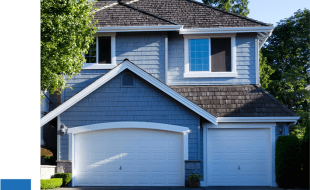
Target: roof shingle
(235,101)
(189,13)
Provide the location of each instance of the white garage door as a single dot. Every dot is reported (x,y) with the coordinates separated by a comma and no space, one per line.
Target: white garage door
(239,157)
(129,157)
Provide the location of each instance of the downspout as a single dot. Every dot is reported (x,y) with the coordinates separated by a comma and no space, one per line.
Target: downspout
(290,125)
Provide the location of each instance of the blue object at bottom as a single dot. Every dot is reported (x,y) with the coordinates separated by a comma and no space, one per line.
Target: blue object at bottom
(15,184)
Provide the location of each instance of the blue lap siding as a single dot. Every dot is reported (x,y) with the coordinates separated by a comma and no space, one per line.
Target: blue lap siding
(145,49)
(144,102)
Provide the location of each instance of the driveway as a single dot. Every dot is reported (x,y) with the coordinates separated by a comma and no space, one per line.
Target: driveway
(173,188)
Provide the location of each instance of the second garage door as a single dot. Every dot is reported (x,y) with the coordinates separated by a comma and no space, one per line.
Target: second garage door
(129,157)
(239,157)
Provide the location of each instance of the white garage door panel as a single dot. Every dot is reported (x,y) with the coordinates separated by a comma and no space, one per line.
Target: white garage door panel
(146,158)
(239,157)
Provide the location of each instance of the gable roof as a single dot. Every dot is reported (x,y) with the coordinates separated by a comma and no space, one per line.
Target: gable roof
(235,101)
(189,13)
(111,74)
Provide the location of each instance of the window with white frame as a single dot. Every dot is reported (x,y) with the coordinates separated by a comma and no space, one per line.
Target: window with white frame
(101,54)
(209,56)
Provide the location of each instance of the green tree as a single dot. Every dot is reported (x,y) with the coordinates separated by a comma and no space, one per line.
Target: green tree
(235,6)
(287,52)
(67,29)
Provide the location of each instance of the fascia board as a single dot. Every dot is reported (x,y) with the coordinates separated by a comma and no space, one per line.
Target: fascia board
(257,119)
(118,69)
(140,28)
(226,30)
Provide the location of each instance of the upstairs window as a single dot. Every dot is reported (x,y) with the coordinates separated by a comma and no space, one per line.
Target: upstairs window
(209,57)
(101,54)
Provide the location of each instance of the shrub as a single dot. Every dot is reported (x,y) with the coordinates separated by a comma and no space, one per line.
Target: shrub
(304,181)
(287,161)
(51,183)
(65,176)
(46,153)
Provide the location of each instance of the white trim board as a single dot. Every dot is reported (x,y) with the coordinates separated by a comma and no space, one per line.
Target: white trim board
(226,30)
(111,74)
(257,119)
(140,28)
(128,125)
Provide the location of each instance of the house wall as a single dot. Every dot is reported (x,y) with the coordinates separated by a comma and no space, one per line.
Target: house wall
(145,49)
(245,60)
(144,102)
(79,82)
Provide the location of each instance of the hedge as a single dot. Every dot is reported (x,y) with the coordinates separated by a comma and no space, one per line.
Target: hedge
(304,178)
(287,161)
(65,176)
(51,183)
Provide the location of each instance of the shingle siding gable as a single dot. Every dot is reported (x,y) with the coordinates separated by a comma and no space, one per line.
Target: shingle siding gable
(144,102)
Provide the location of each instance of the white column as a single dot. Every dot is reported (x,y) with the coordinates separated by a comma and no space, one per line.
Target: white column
(273,155)
(257,61)
(166,60)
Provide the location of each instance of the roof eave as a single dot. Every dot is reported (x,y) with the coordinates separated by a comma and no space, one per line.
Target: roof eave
(257,119)
(140,28)
(226,30)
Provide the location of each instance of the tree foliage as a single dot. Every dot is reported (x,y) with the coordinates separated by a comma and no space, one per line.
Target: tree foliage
(287,56)
(235,6)
(67,29)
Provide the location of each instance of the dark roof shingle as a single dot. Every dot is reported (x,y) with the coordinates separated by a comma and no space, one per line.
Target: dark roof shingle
(189,13)
(235,101)
(124,15)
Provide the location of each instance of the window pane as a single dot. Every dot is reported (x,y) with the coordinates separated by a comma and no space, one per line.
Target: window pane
(221,54)
(199,54)
(198,67)
(90,56)
(104,49)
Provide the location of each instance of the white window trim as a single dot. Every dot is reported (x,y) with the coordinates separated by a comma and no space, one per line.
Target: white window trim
(113,55)
(209,74)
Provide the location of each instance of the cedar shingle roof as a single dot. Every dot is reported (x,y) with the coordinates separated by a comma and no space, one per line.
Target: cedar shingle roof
(125,15)
(189,13)
(235,101)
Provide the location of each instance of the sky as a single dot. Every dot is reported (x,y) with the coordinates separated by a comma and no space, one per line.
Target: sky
(272,11)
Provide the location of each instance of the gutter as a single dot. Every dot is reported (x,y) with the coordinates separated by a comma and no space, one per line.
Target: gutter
(140,28)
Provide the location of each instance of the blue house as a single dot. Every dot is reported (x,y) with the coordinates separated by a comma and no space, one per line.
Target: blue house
(170,88)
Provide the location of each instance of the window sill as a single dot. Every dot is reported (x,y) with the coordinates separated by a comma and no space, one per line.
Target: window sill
(98,66)
(202,74)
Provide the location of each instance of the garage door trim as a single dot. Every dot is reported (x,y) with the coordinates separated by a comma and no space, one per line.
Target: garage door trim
(270,126)
(126,125)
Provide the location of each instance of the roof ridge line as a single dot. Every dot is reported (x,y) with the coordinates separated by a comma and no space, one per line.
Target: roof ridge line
(193,1)
(142,11)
